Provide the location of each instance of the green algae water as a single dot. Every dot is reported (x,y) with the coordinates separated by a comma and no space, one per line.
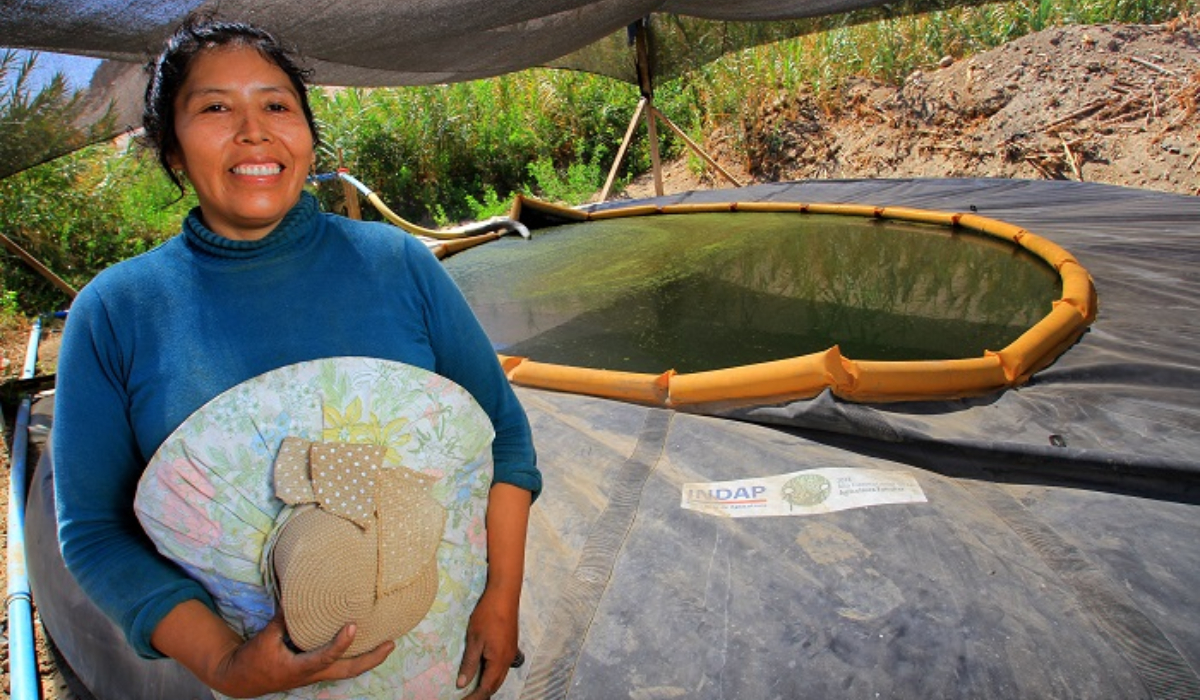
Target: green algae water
(696,292)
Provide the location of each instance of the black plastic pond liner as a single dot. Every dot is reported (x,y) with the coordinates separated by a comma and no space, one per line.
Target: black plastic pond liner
(1054,553)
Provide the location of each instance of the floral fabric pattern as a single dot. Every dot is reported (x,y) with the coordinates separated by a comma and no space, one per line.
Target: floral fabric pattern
(207,498)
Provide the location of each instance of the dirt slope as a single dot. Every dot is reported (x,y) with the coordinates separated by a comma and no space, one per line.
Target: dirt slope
(1112,104)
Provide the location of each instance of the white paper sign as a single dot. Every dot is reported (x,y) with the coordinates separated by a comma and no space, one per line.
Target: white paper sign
(808,492)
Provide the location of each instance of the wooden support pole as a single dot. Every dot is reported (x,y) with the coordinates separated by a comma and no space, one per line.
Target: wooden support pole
(655,160)
(349,192)
(645,74)
(694,146)
(38,266)
(646,104)
(612,173)
(351,196)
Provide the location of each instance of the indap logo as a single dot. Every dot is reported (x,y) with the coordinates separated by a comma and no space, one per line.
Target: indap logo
(741,495)
(806,490)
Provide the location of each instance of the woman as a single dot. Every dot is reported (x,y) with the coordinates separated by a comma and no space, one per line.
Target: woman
(258,279)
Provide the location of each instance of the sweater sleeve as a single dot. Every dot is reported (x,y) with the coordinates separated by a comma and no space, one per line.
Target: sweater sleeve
(464,354)
(97,465)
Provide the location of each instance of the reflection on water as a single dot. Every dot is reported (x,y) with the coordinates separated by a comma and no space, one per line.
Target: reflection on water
(703,291)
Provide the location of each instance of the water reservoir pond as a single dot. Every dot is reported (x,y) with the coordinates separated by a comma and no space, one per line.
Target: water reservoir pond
(695,292)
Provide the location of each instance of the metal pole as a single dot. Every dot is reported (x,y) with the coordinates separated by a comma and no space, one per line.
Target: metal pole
(23,670)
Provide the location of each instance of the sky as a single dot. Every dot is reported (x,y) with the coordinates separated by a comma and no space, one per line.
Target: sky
(77,69)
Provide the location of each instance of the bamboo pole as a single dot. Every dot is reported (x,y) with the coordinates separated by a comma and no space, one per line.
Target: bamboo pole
(694,146)
(38,266)
(612,173)
(655,160)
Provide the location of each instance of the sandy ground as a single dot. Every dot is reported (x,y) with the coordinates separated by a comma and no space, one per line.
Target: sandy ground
(1111,104)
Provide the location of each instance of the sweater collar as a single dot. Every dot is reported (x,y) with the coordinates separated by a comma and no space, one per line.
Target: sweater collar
(294,230)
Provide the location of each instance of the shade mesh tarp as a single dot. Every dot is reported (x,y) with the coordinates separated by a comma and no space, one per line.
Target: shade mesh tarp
(378,43)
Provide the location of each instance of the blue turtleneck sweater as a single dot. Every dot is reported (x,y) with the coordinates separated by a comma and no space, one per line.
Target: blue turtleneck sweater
(154,338)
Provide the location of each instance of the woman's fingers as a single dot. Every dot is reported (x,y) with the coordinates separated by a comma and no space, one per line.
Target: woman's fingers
(330,653)
(267,664)
(491,642)
(490,682)
(468,670)
(371,659)
(326,663)
(482,662)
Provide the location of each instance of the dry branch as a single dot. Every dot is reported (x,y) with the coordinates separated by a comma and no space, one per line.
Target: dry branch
(1039,167)
(1178,94)
(1132,102)
(1082,111)
(1153,66)
(1071,160)
(1171,124)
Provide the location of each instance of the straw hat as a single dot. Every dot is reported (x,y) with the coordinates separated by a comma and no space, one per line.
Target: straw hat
(342,490)
(358,544)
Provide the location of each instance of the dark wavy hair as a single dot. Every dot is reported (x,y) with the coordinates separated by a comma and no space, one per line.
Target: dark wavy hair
(170,70)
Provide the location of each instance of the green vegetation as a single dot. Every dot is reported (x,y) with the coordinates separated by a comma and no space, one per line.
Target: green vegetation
(76,214)
(31,123)
(80,214)
(443,154)
(447,153)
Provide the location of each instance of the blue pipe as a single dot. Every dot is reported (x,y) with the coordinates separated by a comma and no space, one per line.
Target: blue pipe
(23,671)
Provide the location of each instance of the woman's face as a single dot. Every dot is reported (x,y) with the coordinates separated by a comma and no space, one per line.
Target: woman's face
(243,141)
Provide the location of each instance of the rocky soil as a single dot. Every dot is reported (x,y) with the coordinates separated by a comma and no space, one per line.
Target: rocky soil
(1113,104)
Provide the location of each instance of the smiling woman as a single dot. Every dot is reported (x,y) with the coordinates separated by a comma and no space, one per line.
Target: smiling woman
(244,142)
(260,279)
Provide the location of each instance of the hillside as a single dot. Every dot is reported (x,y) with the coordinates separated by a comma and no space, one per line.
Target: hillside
(1113,104)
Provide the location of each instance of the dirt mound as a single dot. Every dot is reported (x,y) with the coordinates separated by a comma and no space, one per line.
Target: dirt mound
(1114,104)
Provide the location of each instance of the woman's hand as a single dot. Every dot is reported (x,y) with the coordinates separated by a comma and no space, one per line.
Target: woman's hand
(201,641)
(491,644)
(492,630)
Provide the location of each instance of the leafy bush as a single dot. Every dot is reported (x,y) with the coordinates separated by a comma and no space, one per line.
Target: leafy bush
(438,154)
(79,213)
(36,126)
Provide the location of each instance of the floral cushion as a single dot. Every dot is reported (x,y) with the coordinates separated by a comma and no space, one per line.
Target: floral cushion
(207,497)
